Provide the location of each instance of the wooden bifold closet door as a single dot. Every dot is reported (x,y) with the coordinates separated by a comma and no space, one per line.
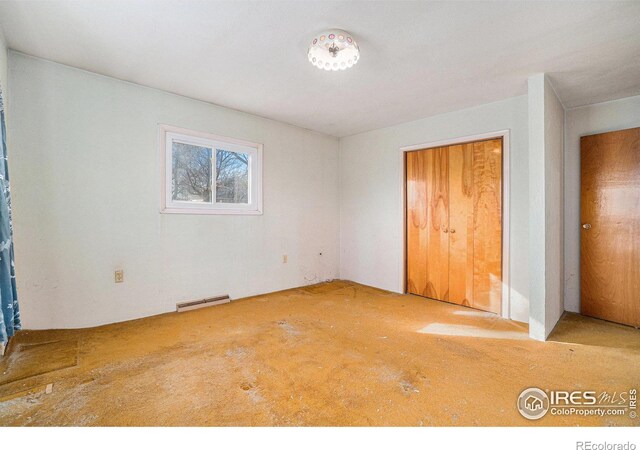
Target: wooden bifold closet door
(454,224)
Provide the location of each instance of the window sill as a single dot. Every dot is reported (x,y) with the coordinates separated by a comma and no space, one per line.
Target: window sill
(236,212)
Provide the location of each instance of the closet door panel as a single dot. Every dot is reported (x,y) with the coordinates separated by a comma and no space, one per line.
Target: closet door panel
(487,211)
(438,223)
(461,224)
(427,220)
(417,200)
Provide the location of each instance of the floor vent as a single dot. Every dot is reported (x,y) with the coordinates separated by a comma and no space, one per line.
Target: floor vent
(188,306)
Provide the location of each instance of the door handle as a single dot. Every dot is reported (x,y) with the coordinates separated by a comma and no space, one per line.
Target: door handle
(452,230)
(445,230)
(586,226)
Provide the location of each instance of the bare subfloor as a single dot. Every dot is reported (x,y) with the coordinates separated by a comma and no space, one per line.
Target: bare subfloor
(330,354)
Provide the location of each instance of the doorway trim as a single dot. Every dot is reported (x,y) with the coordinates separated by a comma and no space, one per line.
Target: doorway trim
(505,310)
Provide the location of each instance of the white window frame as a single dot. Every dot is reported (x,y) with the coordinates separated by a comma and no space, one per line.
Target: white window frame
(169,134)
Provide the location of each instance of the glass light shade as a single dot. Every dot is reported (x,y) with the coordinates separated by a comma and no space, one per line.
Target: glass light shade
(333,50)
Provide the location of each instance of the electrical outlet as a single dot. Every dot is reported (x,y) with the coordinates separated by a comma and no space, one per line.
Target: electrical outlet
(119,276)
(285,259)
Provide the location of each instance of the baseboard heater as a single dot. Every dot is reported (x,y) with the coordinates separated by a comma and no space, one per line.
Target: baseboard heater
(188,306)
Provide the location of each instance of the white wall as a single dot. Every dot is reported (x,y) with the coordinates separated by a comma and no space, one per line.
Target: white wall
(85,180)
(546,135)
(586,120)
(86,191)
(371,203)
(537,207)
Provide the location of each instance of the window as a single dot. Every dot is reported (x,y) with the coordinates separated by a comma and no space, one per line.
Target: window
(207,174)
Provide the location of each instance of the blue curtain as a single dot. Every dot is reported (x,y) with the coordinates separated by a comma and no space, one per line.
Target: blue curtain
(10,317)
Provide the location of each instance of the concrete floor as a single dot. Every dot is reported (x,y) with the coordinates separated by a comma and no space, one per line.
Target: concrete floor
(330,354)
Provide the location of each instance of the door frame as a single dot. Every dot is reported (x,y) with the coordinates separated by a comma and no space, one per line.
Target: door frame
(505,309)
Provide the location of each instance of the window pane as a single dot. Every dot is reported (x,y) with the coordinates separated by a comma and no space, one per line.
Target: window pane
(191,174)
(232,177)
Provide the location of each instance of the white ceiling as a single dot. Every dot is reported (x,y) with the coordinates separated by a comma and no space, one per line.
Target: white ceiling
(418,58)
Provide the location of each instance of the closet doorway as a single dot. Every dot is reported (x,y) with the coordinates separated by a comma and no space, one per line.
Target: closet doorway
(454,223)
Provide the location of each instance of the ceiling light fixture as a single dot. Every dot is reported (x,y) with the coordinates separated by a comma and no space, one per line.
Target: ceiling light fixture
(333,50)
